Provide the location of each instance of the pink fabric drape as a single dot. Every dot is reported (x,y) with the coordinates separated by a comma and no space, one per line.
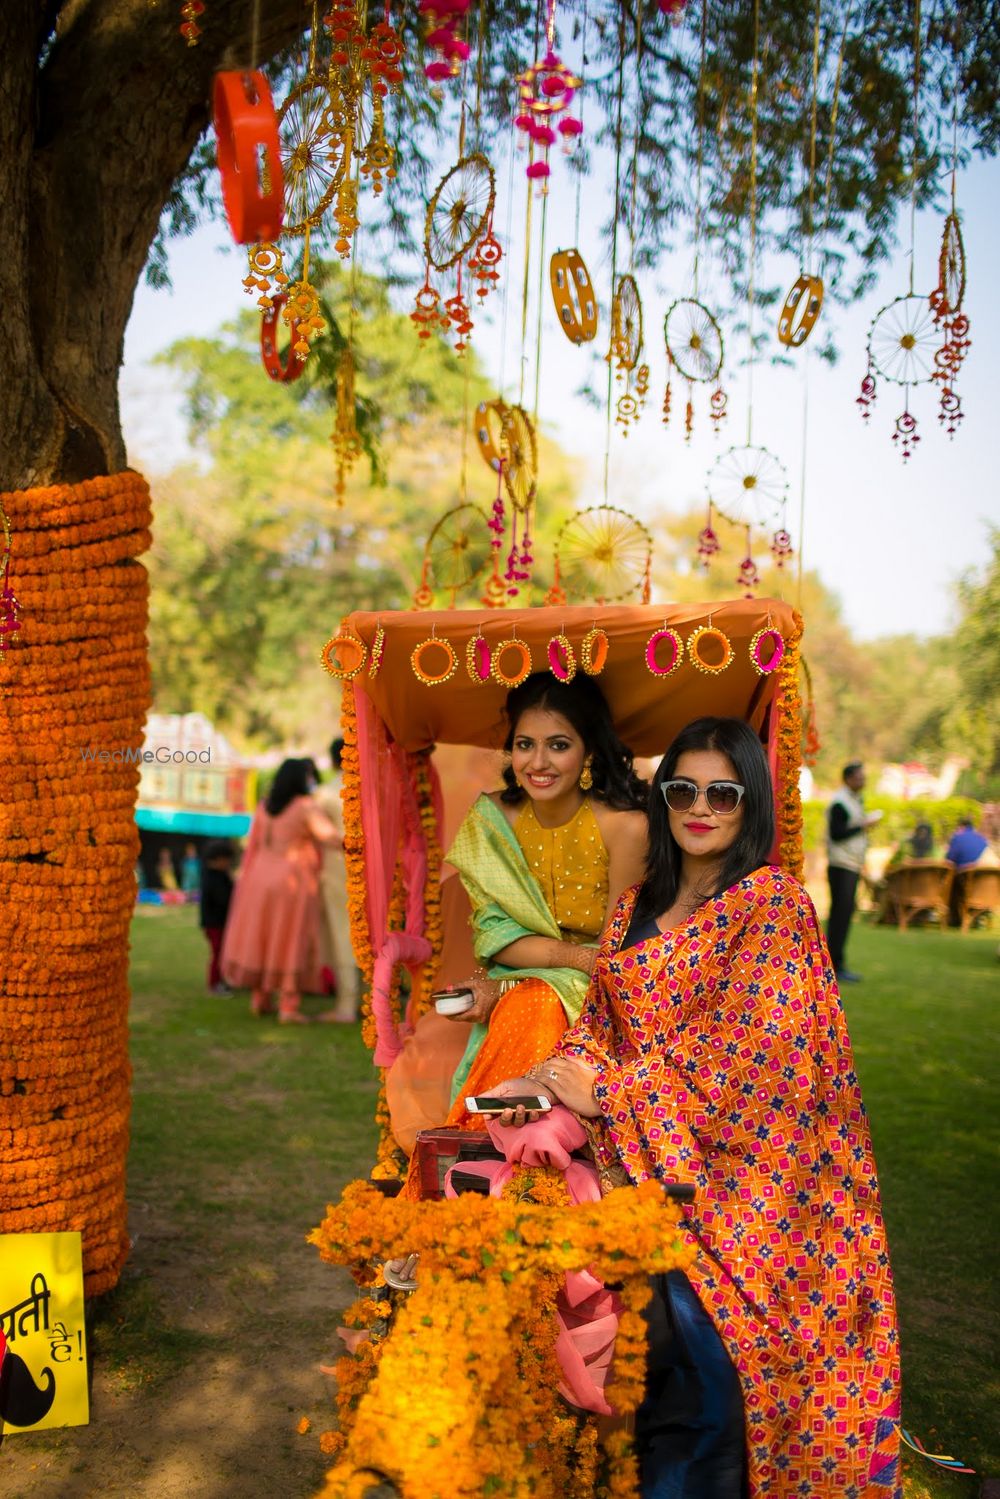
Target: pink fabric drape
(393,833)
(586,1311)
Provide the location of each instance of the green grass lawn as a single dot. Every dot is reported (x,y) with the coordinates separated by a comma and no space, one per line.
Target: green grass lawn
(242,1131)
(924,1027)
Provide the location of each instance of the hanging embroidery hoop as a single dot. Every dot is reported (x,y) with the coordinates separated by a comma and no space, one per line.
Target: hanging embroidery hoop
(652,646)
(594,649)
(515,678)
(344,655)
(430,678)
(561,658)
(777,655)
(694,645)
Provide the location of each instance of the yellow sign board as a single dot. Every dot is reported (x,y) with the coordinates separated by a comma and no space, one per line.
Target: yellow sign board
(43,1373)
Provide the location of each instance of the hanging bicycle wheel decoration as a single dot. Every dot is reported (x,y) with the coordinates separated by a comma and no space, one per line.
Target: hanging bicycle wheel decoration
(459,547)
(946,307)
(902,344)
(748,486)
(626,324)
(947,297)
(458,213)
(603,554)
(456,553)
(519,454)
(626,349)
(695,349)
(312,160)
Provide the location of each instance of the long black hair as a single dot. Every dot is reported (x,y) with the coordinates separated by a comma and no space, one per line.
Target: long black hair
(292,780)
(737,741)
(583,704)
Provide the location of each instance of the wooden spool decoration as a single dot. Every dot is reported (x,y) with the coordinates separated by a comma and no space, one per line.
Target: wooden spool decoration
(246,129)
(294,363)
(800,311)
(488,428)
(574,296)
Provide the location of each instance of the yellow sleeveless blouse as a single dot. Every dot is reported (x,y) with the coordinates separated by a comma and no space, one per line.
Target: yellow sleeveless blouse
(570,864)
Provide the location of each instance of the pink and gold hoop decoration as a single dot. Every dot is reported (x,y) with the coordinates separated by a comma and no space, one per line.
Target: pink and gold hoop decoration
(433,678)
(546,90)
(694,645)
(377,651)
(478,659)
(443,16)
(756,650)
(562,658)
(344,655)
(523,669)
(594,649)
(652,646)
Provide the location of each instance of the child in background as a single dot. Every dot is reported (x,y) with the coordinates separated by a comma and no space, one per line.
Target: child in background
(166,877)
(190,870)
(216,893)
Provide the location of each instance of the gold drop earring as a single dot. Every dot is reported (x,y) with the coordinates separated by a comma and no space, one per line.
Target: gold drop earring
(586,777)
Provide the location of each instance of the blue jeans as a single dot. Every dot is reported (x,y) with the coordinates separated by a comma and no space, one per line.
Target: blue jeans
(689,1428)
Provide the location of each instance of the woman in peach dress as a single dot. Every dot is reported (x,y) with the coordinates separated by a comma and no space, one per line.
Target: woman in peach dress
(272,936)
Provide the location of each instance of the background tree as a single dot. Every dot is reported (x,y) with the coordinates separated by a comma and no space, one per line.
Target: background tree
(102,106)
(253,566)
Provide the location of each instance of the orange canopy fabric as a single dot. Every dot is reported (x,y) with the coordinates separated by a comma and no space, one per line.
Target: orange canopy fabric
(648,710)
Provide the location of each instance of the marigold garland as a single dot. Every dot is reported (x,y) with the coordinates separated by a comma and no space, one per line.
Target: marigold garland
(419,769)
(77,679)
(460,1400)
(789,730)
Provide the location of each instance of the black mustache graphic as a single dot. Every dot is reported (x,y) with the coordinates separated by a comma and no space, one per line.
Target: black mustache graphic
(22,1402)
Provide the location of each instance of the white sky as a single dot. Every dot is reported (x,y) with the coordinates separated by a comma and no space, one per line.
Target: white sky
(890,538)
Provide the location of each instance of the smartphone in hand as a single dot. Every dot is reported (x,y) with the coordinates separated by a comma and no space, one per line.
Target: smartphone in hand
(453,1001)
(487,1103)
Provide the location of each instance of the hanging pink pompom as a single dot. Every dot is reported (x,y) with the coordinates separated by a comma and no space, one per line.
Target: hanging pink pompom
(523,121)
(436,71)
(571,126)
(539,169)
(543,135)
(457,49)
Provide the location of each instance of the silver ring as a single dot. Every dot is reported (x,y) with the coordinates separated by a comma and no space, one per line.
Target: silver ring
(554,1076)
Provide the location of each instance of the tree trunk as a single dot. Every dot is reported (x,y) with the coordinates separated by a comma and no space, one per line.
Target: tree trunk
(92,139)
(97,119)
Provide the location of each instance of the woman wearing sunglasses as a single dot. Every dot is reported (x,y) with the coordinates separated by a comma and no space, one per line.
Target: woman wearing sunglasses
(712,1050)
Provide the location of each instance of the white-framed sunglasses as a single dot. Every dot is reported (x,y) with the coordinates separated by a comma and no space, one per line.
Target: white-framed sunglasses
(723,797)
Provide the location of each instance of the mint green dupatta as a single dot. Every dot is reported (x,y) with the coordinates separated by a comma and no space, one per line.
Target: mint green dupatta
(507,903)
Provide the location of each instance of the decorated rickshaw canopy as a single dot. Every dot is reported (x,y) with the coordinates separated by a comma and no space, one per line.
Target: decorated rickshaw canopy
(649,707)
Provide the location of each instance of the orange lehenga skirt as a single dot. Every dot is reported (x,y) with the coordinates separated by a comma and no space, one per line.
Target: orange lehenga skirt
(524,1029)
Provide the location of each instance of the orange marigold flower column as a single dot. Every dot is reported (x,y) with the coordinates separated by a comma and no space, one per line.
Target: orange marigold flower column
(74,690)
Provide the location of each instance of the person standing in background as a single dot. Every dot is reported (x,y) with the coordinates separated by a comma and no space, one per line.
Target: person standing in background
(216,892)
(338,953)
(190,870)
(847,825)
(272,936)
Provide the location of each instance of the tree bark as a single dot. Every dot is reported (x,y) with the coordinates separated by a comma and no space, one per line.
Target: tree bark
(97,120)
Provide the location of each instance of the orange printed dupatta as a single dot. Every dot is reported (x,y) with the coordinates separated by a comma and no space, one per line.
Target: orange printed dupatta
(724,1060)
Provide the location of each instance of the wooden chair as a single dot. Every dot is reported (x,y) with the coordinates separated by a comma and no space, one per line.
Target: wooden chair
(918,887)
(977,893)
